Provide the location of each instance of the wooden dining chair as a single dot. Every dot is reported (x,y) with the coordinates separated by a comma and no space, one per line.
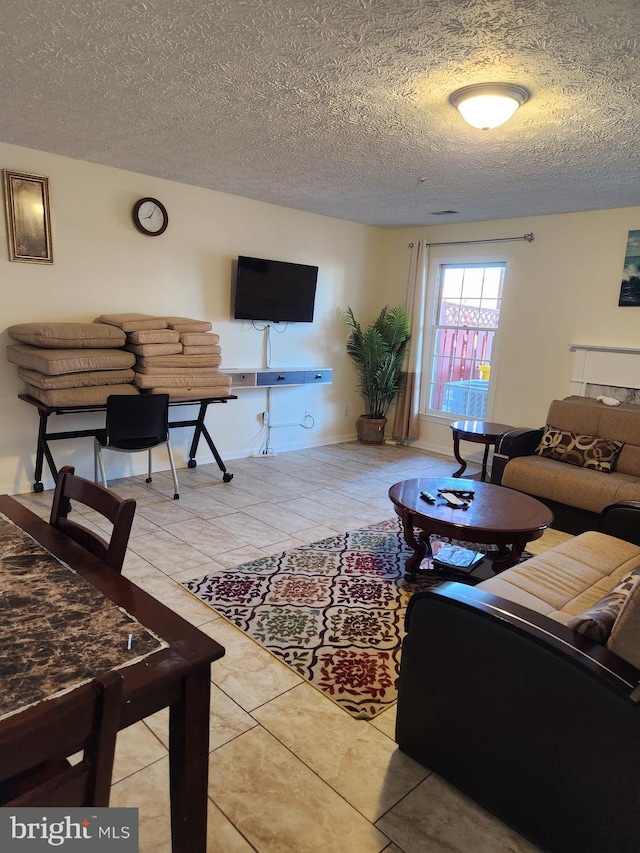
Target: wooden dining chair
(117,510)
(36,743)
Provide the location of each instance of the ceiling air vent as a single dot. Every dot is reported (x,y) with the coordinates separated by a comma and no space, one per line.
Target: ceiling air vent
(443,212)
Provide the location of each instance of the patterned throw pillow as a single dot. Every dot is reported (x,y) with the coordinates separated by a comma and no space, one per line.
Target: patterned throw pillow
(625,637)
(586,451)
(597,622)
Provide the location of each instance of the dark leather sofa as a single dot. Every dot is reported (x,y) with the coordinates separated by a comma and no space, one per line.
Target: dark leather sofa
(524,715)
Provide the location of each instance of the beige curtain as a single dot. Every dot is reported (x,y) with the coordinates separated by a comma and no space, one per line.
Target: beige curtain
(406,426)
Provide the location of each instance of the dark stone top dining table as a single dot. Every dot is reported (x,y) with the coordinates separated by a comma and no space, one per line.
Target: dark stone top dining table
(57,630)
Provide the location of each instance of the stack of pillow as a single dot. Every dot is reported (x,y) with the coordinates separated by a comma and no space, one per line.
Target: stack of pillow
(66,364)
(173,355)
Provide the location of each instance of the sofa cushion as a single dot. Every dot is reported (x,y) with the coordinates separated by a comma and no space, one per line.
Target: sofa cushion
(597,622)
(153,336)
(201,350)
(147,350)
(91,395)
(586,451)
(577,414)
(199,339)
(568,484)
(67,335)
(587,416)
(178,371)
(569,578)
(57,361)
(185,379)
(200,393)
(75,380)
(180,360)
(625,635)
(185,324)
(133,322)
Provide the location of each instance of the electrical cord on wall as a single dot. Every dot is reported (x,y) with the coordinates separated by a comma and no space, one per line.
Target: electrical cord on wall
(265,447)
(308,422)
(267,344)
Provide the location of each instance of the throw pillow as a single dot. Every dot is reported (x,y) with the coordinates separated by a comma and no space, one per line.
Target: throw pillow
(586,451)
(625,636)
(597,622)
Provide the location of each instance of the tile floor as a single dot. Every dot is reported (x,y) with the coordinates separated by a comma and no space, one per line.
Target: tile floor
(290,772)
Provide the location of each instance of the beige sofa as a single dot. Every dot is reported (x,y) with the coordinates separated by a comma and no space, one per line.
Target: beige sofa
(528,716)
(576,492)
(566,581)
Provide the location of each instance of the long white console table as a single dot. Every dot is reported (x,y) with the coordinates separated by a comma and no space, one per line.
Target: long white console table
(271,377)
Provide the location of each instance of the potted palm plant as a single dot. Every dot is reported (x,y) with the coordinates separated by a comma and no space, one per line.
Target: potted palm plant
(378,353)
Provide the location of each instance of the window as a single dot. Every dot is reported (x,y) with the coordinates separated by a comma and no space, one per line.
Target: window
(467,313)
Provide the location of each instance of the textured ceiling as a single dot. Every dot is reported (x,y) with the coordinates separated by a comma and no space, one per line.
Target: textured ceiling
(339,107)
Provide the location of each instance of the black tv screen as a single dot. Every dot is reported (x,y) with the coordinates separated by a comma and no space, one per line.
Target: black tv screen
(274,290)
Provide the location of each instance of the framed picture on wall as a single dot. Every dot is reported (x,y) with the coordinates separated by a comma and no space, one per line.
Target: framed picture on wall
(630,287)
(26,202)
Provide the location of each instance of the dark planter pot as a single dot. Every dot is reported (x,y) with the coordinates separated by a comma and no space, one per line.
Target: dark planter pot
(370,430)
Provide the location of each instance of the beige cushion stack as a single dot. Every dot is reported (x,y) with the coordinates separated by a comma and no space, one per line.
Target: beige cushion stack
(67,364)
(173,355)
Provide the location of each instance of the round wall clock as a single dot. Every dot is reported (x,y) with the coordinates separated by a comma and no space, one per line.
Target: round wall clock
(150,216)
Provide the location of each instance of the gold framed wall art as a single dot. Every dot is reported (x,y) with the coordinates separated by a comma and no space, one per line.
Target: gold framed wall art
(26,202)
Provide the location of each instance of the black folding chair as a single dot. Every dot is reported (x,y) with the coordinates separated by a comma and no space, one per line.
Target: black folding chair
(134,423)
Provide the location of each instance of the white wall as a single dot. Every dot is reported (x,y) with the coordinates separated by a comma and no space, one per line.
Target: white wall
(103,265)
(563,288)
(560,289)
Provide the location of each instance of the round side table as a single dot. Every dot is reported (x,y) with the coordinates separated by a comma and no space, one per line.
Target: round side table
(478,432)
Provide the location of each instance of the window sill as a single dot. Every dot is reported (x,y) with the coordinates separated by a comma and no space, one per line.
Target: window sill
(446,418)
(442,419)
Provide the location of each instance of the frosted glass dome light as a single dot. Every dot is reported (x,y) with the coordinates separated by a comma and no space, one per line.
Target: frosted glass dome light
(488,105)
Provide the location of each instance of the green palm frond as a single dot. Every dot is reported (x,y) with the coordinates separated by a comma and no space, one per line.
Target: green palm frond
(378,353)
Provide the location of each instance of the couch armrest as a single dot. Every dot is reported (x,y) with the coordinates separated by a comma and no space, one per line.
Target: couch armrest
(516,442)
(622,520)
(507,616)
(519,442)
(526,717)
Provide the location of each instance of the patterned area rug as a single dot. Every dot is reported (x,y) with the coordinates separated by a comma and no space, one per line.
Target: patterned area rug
(333,611)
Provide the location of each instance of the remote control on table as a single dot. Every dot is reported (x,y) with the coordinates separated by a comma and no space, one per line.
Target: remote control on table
(452,499)
(428,497)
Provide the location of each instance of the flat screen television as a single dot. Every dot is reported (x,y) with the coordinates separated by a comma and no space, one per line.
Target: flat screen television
(276,291)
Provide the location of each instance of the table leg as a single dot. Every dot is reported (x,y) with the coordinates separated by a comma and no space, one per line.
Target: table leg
(456,453)
(483,475)
(508,557)
(201,430)
(420,546)
(40,445)
(189,764)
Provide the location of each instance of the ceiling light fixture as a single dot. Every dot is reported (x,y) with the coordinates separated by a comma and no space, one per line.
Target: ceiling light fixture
(488,105)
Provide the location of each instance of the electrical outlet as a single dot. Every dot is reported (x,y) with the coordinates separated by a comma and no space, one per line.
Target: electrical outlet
(265,417)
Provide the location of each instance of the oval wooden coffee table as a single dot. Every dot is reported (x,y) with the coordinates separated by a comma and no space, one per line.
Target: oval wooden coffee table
(495,516)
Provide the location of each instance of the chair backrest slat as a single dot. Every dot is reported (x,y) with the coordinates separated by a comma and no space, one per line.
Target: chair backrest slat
(117,510)
(35,743)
